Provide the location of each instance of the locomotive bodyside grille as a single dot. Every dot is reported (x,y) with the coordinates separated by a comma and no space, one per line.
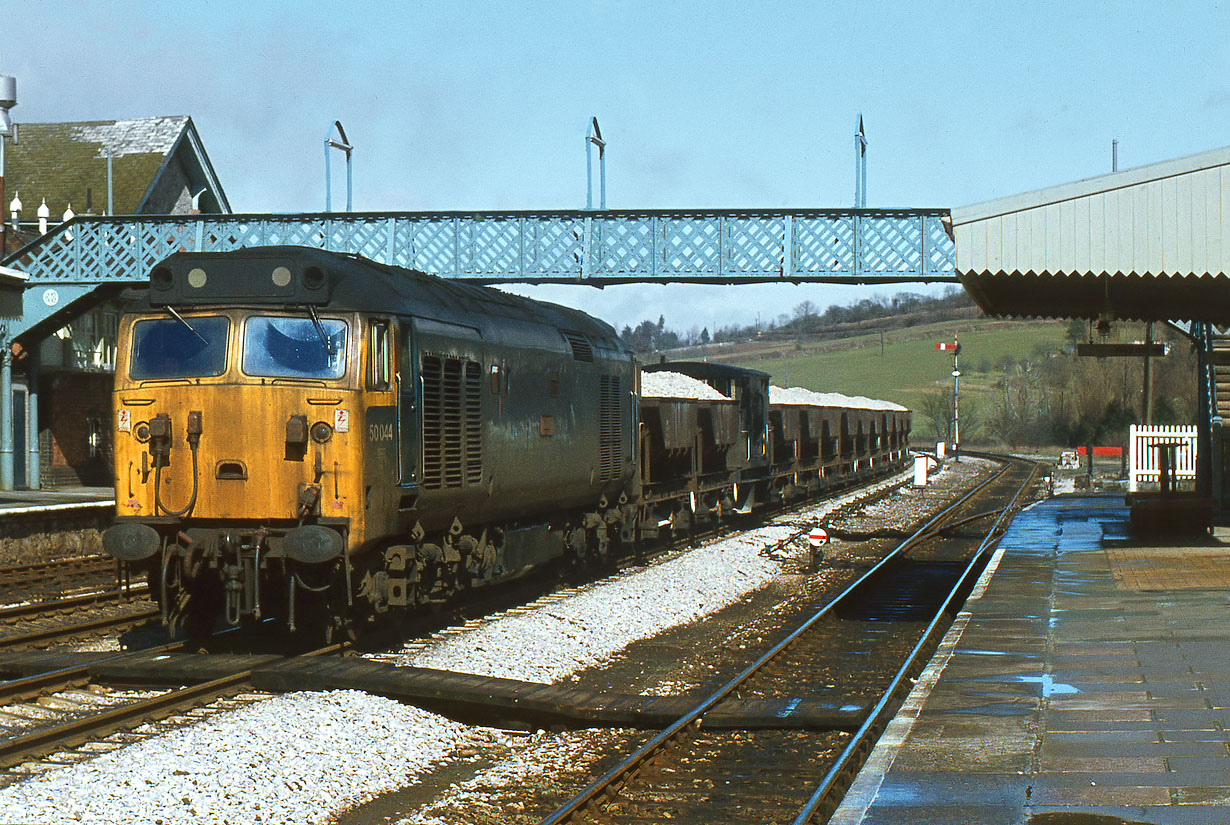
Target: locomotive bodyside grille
(608,427)
(452,422)
(474,425)
(452,410)
(433,446)
(581,348)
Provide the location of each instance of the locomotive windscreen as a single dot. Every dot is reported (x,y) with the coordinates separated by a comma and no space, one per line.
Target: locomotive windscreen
(281,347)
(171,348)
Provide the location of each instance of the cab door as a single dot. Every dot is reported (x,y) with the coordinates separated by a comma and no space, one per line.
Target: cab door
(382,462)
(409,427)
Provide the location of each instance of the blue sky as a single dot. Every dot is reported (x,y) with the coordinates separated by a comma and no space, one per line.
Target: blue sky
(714,104)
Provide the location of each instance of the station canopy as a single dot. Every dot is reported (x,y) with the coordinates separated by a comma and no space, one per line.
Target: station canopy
(1144,244)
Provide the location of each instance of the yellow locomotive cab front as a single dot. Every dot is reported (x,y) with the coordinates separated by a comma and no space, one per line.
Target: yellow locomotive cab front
(236,438)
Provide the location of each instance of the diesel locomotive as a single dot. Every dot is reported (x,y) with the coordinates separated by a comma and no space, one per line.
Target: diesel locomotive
(319,437)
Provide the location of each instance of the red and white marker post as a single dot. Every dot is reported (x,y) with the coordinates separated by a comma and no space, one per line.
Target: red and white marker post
(816,540)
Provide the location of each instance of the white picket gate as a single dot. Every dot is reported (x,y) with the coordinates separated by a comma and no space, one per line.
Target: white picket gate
(1142,455)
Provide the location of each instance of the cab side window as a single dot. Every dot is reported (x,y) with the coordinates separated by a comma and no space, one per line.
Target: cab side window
(379,356)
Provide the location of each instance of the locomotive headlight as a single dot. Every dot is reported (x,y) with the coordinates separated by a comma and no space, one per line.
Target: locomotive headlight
(141,432)
(313,277)
(162,278)
(281,276)
(321,432)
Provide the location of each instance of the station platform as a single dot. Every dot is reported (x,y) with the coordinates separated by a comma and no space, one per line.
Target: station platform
(18,501)
(1086,682)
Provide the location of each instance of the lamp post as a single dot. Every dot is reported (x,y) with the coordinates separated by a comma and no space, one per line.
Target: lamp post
(593,138)
(8,99)
(344,144)
(860,165)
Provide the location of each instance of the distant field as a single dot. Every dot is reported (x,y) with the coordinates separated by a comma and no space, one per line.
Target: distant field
(910,365)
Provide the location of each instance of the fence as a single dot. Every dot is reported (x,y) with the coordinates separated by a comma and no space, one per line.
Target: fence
(1143,456)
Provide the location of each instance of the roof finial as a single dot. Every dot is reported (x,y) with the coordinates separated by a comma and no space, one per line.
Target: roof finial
(15,208)
(43,214)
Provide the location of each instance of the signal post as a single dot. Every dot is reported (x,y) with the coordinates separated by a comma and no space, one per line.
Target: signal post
(955,349)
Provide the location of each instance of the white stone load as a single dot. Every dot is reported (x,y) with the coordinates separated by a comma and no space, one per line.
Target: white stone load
(799,396)
(666,384)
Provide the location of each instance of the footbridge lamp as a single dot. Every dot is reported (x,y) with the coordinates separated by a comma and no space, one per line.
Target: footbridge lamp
(8,99)
(343,143)
(593,137)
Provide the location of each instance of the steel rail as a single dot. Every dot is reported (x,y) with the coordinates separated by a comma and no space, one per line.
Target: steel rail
(606,785)
(40,566)
(20,688)
(12,689)
(26,609)
(877,716)
(75,732)
(68,631)
(61,577)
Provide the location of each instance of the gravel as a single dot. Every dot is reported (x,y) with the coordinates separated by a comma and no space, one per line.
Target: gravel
(667,384)
(41,547)
(799,395)
(308,757)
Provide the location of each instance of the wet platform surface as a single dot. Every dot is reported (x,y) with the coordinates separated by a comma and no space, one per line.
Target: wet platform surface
(1087,682)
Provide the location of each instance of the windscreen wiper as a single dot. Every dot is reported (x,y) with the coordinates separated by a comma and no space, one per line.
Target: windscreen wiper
(320,330)
(180,318)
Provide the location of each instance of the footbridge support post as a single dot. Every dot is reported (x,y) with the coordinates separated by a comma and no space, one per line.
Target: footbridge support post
(6,415)
(34,472)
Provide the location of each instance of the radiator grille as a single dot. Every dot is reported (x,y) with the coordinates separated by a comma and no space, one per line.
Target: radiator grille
(473,425)
(581,349)
(609,421)
(452,422)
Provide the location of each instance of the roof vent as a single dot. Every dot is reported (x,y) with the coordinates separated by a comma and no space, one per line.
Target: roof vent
(581,349)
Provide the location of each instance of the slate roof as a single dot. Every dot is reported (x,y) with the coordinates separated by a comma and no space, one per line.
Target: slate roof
(66,163)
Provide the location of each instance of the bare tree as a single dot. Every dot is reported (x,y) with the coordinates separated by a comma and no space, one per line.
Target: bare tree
(936,407)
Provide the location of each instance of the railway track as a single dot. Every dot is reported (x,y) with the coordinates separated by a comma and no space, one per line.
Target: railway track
(93,711)
(896,611)
(42,636)
(105,712)
(41,622)
(61,576)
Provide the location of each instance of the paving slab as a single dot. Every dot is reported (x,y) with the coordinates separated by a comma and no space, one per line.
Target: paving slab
(1086,680)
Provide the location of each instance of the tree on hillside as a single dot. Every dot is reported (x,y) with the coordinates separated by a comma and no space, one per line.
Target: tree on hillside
(1015,412)
(936,407)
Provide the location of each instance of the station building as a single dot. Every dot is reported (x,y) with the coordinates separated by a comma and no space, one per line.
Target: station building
(53,171)
(1145,244)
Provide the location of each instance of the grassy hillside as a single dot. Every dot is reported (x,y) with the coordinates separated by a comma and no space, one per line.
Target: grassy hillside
(909,365)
